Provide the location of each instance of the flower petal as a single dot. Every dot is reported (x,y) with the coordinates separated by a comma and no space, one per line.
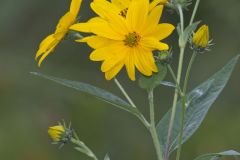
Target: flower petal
(114,71)
(121,4)
(106,52)
(46,45)
(130,66)
(84,27)
(141,63)
(154,3)
(111,13)
(162,31)
(47,52)
(75,7)
(96,41)
(137,15)
(153,44)
(153,19)
(99,27)
(65,22)
(118,56)
(100,7)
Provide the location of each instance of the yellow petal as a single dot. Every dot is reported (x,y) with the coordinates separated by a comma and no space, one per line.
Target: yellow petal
(99,27)
(137,15)
(150,61)
(46,53)
(140,62)
(109,11)
(65,22)
(154,3)
(153,20)
(118,56)
(153,44)
(46,46)
(84,27)
(114,71)
(75,7)
(121,4)
(96,41)
(106,52)
(130,66)
(99,5)
(162,31)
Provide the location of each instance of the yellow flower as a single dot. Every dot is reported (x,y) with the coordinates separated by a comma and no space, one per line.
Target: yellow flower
(201,37)
(120,41)
(50,42)
(56,132)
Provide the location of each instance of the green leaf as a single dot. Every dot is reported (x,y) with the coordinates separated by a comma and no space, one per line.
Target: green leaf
(155,80)
(216,156)
(107,157)
(199,102)
(187,33)
(92,90)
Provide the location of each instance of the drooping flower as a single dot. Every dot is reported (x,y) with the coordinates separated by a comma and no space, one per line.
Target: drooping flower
(50,42)
(125,41)
(56,132)
(201,37)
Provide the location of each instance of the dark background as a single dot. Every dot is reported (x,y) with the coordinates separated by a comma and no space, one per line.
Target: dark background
(29,105)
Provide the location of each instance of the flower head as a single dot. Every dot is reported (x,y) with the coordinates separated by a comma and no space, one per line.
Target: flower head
(50,42)
(60,134)
(201,37)
(56,132)
(125,40)
(200,40)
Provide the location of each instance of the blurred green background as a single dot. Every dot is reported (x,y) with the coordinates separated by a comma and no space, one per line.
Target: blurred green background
(29,105)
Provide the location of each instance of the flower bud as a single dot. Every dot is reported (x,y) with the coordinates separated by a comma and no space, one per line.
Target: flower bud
(201,37)
(56,132)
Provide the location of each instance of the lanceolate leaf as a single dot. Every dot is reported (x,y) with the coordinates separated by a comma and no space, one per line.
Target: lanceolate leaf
(92,90)
(217,156)
(199,101)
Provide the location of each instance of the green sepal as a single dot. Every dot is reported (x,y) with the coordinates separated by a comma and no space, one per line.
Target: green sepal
(155,80)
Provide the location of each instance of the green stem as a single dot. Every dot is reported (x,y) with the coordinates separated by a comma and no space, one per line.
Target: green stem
(179,74)
(180,137)
(124,92)
(184,105)
(83,148)
(187,77)
(152,128)
(175,80)
(194,12)
(139,114)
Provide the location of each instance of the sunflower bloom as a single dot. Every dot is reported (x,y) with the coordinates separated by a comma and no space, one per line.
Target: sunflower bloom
(50,42)
(201,37)
(125,41)
(56,132)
